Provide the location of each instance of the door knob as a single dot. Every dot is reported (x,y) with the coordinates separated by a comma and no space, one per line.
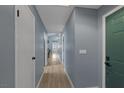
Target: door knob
(33,58)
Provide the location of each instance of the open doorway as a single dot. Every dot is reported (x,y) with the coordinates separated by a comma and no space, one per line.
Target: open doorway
(55,47)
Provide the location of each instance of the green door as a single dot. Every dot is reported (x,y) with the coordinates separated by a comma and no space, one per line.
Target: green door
(115,50)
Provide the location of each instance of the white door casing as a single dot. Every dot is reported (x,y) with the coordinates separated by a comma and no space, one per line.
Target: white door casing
(46,51)
(24,47)
(104,43)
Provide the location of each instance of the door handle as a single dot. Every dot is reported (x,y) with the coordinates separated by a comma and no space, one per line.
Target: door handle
(33,58)
(108,64)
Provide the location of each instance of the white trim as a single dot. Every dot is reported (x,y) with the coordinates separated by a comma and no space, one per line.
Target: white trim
(15,47)
(104,43)
(62,48)
(40,80)
(72,86)
(46,46)
(93,87)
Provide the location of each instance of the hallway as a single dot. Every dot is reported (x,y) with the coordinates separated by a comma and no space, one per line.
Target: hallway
(53,46)
(54,75)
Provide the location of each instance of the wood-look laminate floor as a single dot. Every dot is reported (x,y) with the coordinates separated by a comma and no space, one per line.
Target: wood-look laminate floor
(54,75)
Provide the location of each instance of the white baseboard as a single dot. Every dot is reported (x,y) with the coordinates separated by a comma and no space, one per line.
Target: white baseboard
(40,80)
(69,79)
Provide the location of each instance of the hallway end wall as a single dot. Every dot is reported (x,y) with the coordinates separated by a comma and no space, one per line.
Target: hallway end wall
(39,45)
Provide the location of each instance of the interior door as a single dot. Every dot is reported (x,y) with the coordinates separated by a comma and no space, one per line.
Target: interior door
(115,49)
(24,47)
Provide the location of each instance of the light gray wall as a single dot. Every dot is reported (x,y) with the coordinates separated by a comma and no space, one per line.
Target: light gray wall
(69,47)
(102,11)
(39,45)
(86,37)
(7,46)
(81,33)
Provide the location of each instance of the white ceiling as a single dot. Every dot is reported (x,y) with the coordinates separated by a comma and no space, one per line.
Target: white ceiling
(90,6)
(54,17)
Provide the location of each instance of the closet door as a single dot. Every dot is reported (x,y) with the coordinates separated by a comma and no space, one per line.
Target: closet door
(24,47)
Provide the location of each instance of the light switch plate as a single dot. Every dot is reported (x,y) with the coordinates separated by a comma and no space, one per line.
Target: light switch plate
(83,52)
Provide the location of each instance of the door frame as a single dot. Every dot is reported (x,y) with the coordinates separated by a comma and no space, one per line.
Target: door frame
(63,48)
(104,43)
(46,46)
(28,9)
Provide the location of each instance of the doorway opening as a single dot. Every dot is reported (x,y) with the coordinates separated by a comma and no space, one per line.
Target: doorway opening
(55,48)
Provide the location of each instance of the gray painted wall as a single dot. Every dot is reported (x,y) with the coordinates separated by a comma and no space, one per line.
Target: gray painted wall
(81,33)
(7,46)
(39,45)
(86,37)
(102,11)
(69,46)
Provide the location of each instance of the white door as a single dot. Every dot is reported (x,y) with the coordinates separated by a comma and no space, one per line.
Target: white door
(24,47)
